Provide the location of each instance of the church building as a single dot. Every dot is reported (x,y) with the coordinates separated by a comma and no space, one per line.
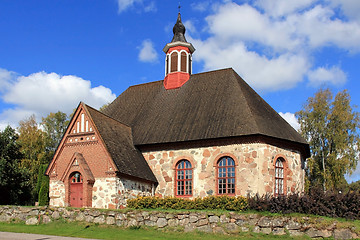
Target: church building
(187,136)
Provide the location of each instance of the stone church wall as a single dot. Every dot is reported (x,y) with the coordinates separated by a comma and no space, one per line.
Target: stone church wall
(57,193)
(255,171)
(113,192)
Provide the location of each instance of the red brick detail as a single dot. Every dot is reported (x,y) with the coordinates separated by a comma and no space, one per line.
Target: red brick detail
(175,80)
(179,48)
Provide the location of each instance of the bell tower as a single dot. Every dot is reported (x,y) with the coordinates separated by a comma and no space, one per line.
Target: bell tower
(178,62)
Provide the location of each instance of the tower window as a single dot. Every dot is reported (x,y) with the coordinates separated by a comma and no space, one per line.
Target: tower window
(174,62)
(183,61)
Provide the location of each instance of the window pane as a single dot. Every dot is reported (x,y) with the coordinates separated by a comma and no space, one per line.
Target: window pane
(174,62)
(183,62)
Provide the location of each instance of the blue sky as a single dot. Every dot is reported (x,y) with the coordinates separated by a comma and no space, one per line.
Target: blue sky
(54,54)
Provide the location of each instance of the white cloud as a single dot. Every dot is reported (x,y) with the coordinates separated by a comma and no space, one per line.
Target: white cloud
(151,7)
(41,93)
(279,8)
(5,79)
(124,5)
(273,53)
(201,6)
(319,27)
(321,75)
(260,72)
(350,8)
(234,23)
(291,119)
(147,52)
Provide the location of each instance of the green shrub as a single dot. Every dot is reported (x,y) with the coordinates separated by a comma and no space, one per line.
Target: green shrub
(317,202)
(210,203)
(43,186)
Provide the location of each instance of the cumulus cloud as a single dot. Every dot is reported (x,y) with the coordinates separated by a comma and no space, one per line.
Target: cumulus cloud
(201,6)
(259,71)
(321,75)
(5,79)
(272,45)
(350,8)
(291,119)
(147,52)
(278,8)
(41,93)
(124,5)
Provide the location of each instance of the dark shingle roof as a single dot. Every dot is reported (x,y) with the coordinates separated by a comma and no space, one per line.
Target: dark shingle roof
(210,105)
(119,143)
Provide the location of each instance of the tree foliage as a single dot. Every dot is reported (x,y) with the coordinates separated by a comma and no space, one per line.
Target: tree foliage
(54,125)
(33,142)
(14,179)
(330,125)
(42,186)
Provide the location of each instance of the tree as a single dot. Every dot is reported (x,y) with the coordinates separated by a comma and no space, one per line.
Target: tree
(33,143)
(331,128)
(42,186)
(102,108)
(54,125)
(14,179)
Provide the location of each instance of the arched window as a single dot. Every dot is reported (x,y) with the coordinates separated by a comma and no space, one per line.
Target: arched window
(279,176)
(76,178)
(174,62)
(184,178)
(183,61)
(226,176)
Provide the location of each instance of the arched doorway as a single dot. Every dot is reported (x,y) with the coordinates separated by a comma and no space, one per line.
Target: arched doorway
(76,190)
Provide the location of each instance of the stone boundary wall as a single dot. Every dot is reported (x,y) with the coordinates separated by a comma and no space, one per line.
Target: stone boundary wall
(226,223)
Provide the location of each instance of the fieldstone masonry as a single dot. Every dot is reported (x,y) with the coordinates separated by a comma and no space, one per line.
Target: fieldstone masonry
(255,170)
(229,223)
(57,193)
(111,192)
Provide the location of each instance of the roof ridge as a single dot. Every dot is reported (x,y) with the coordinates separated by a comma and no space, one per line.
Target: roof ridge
(214,71)
(147,83)
(237,79)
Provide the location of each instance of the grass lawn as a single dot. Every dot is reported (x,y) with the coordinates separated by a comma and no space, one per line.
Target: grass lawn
(83,230)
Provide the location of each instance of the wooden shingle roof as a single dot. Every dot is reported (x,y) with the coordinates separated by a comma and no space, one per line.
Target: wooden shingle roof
(210,105)
(118,140)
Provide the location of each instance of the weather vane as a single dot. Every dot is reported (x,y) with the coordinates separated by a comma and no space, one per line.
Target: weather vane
(179,7)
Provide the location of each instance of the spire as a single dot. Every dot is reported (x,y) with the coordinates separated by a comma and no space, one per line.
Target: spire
(179,30)
(178,61)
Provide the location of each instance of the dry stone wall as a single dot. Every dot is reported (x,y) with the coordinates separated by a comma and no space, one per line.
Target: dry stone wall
(255,171)
(227,223)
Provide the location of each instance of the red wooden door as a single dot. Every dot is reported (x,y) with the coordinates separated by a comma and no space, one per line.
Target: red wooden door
(76,190)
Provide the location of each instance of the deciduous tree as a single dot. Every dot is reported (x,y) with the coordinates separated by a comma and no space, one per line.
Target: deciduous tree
(33,142)
(330,125)
(55,125)
(14,179)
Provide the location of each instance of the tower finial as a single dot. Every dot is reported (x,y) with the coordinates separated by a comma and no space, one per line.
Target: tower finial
(179,7)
